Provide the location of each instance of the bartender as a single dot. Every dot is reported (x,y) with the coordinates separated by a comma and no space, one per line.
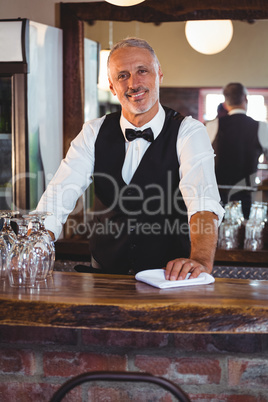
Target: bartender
(238,141)
(156,198)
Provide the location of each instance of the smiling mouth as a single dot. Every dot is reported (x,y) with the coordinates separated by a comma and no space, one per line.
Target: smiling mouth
(136,95)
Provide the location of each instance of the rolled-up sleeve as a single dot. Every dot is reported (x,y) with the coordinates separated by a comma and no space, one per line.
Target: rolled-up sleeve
(71,179)
(197,174)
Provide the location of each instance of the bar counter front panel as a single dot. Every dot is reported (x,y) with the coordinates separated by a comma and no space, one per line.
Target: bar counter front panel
(117,302)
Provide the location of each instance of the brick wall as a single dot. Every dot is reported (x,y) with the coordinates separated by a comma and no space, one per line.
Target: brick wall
(34,362)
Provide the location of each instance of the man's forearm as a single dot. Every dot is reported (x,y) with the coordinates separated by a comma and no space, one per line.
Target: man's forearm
(204,236)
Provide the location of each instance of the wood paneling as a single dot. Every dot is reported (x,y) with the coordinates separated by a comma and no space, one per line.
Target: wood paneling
(183,100)
(73,75)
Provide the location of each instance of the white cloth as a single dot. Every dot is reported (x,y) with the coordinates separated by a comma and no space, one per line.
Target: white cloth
(213,126)
(195,155)
(156,278)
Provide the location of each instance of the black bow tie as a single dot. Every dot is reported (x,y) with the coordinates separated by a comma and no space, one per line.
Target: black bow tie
(147,134)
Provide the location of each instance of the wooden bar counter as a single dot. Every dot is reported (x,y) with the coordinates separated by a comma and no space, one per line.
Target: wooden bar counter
(210,339)
(114,302)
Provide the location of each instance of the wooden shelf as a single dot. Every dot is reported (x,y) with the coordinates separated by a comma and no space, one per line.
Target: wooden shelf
(242,256)
(72,249)
(78,250)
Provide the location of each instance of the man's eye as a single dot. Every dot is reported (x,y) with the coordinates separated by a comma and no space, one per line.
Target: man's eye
(142,71)
(122,77)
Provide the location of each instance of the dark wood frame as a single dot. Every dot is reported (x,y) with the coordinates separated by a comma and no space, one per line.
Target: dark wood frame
(20,151)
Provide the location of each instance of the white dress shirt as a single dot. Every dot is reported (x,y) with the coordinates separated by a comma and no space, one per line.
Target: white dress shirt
(213,126)
(195,155)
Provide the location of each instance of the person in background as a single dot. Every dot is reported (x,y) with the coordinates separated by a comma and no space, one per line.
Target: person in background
(154,180)
(212,125)
(221,110)
(238,141)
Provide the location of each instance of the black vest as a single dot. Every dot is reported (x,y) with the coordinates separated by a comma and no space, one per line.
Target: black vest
(141,225)
(237,150)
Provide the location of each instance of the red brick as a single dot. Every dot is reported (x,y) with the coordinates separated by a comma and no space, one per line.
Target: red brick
(17,362)
(134,392)
(226,398)
(107,394)
(244,343)
(248,372)
(38,335)
(125,338)
(153,364)
(67,364)
(198,370)
(32,392)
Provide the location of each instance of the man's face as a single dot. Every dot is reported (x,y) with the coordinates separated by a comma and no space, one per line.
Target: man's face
(134,77)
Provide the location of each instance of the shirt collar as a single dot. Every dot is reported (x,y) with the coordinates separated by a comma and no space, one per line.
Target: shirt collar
(156,123)
(237,111)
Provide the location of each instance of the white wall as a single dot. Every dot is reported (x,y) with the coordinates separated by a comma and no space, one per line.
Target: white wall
(43,11)
(244,60)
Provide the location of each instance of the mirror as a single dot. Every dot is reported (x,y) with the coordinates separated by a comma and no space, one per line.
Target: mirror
(188,70)
(185,70)
(155,12)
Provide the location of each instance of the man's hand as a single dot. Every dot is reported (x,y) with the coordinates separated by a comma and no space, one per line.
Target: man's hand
(179,268)
(204,235)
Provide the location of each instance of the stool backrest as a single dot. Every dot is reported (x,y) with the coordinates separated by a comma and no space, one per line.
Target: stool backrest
(120,376)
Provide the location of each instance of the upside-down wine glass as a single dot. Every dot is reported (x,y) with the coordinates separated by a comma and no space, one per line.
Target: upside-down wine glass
(22,267)
(40,246)
(255,226)
(7,239)
(3,257)
(41,216)
(7,232)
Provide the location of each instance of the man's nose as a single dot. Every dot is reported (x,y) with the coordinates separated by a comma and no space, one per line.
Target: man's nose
(133,82)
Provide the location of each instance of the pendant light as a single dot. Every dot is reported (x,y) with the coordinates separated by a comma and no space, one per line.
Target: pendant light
(124,3)
(209,36)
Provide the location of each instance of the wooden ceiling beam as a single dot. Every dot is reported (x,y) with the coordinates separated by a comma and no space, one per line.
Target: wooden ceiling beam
(158,11)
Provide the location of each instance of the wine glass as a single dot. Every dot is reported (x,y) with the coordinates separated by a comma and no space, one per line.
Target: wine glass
(227,236)
(253,239)
(39,246)
(7,239)
(41,216)
(22,266)
(3,257)
(7,232)
(255,226)
(229,229)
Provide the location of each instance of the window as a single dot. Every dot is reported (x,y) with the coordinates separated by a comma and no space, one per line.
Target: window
(209,99)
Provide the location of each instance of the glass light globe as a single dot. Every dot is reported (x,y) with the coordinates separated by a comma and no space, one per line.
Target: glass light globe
(124,3)
(209,36)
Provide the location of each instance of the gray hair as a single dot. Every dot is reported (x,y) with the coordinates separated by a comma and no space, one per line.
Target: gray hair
(234,94)
(132,42)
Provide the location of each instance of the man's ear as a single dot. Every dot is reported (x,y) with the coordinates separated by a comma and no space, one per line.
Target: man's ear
(111,87)
(161,75)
